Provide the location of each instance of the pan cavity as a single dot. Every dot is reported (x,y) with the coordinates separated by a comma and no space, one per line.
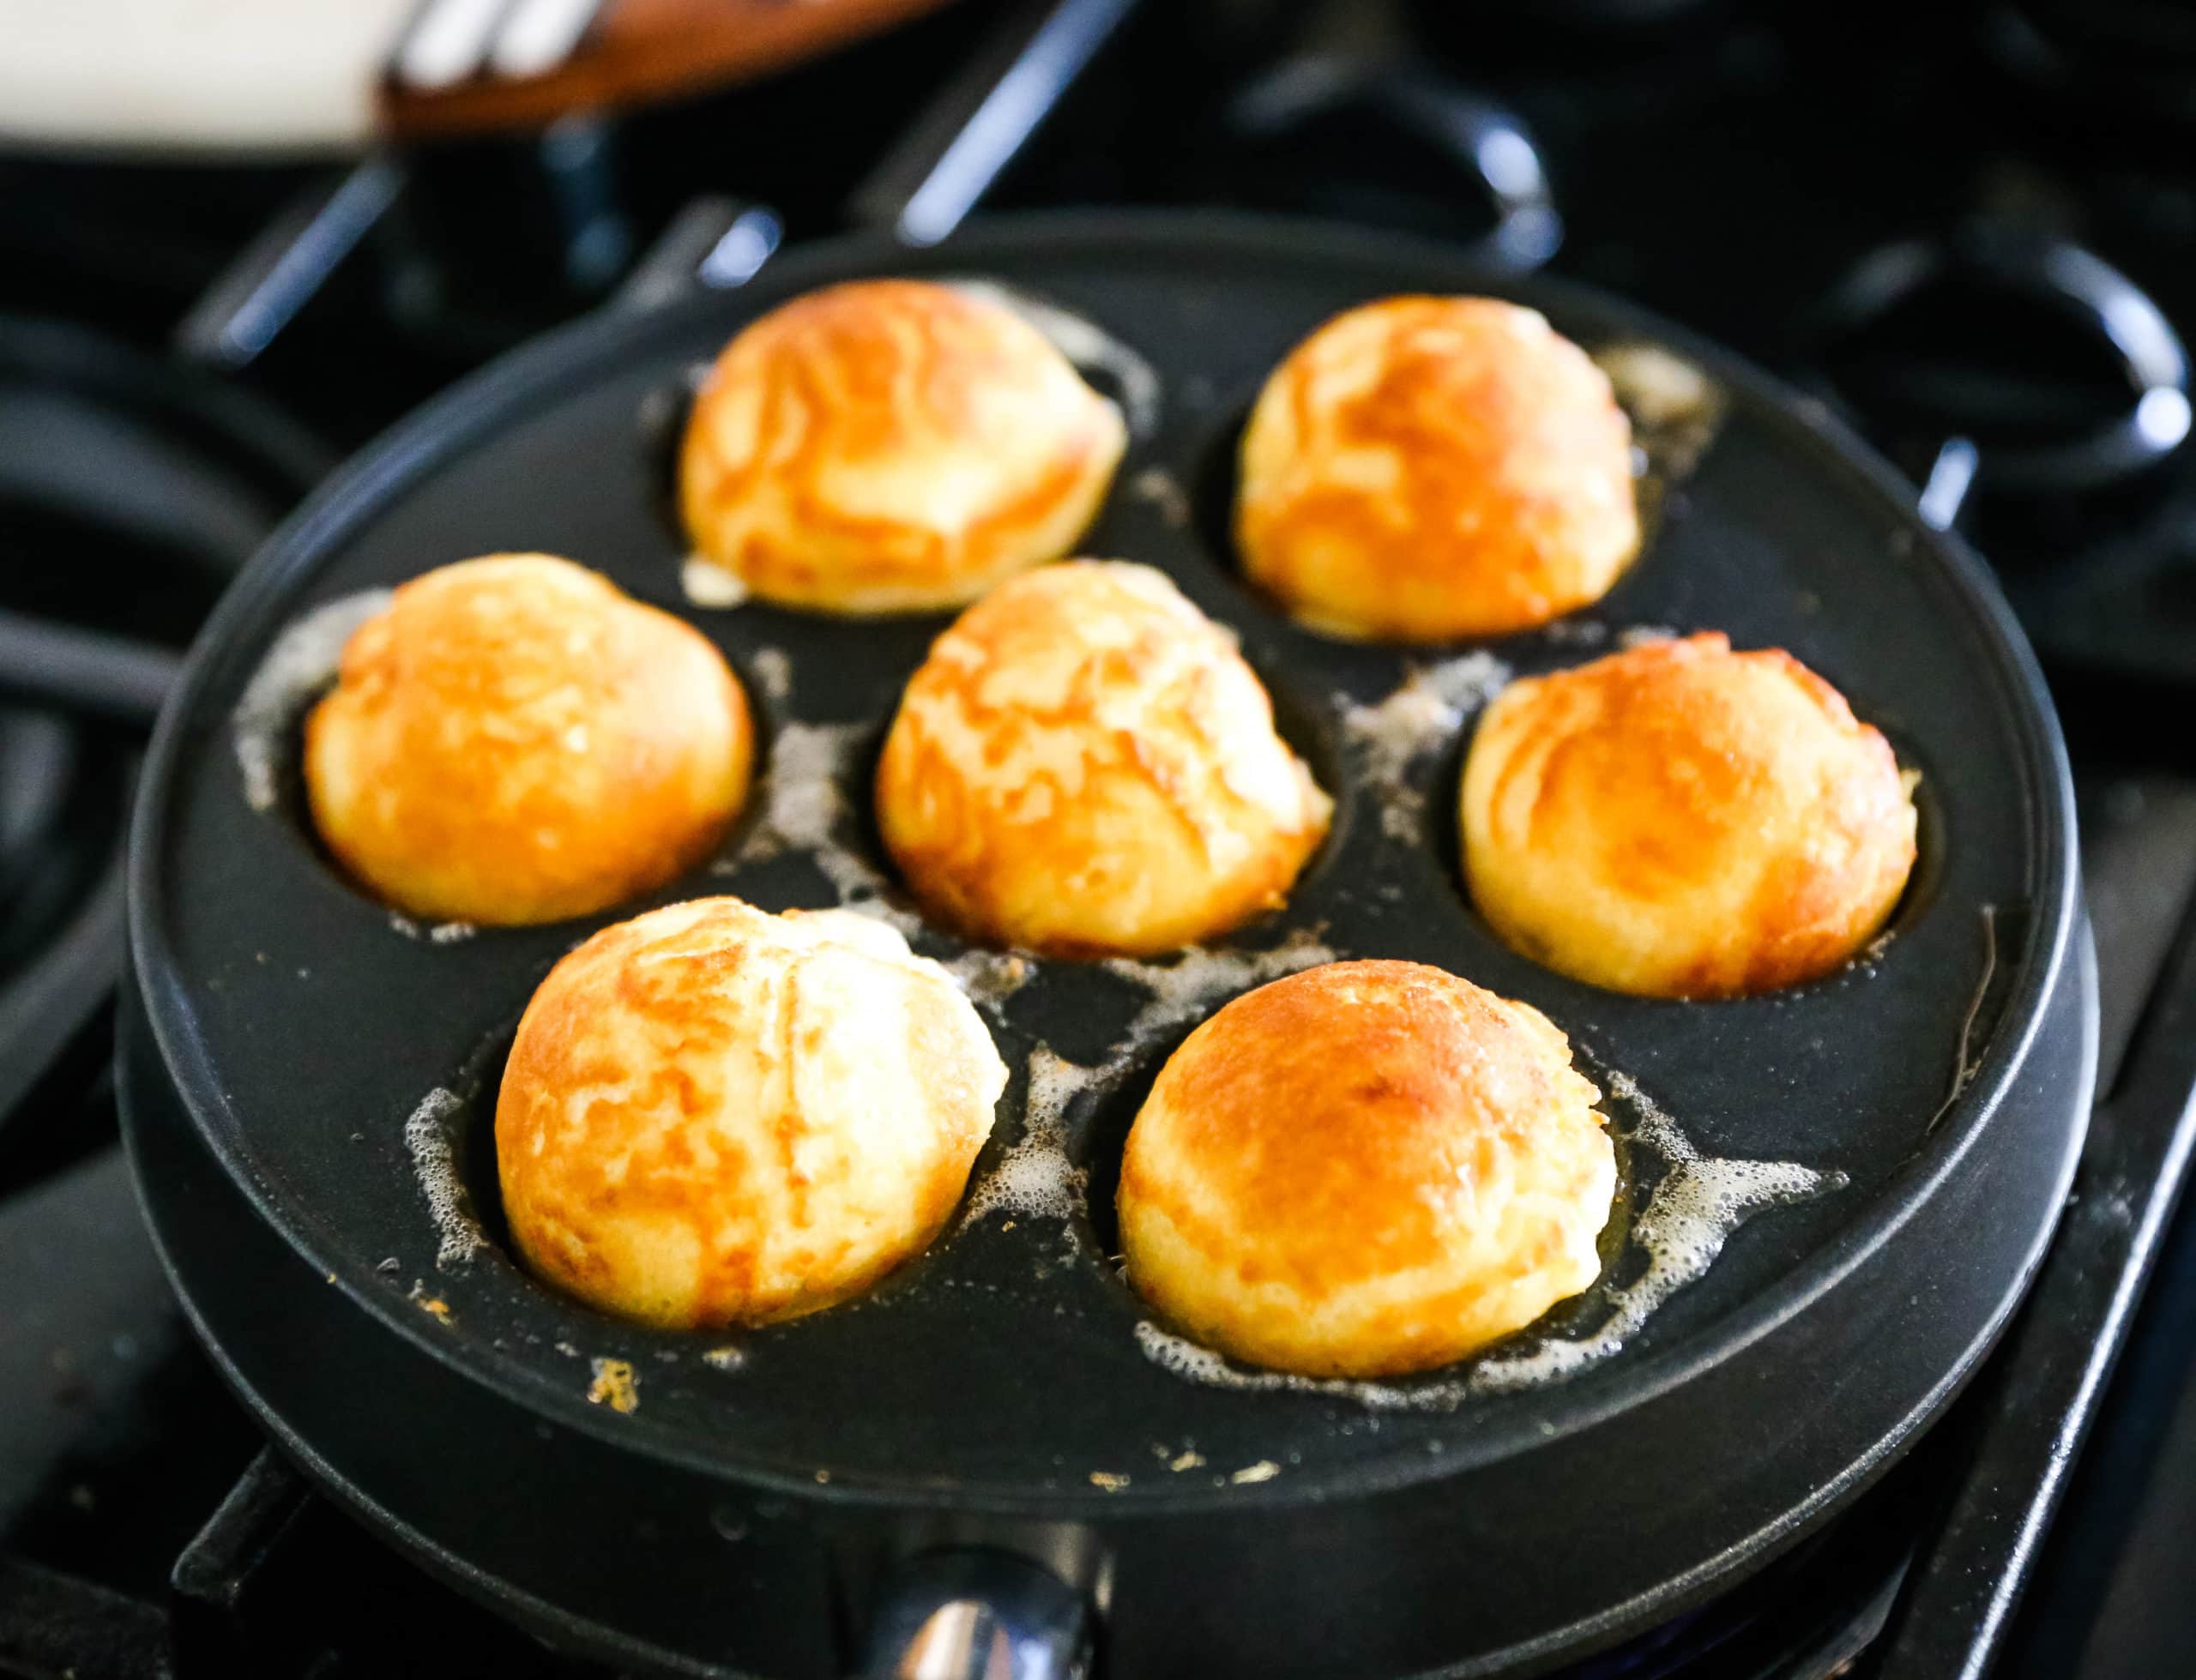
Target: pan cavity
(301,665)
(1036,1177)
(1687,1215)
(1065,1164)
(450,1138)
(1211,493)
(435,1135)
(1308,727)
(1394,739)
(805,806)
(1676,411)
(267,728)
(659,426)
(809,803)
(1114,369)
(1925,882)
(453,1161)
(267,734)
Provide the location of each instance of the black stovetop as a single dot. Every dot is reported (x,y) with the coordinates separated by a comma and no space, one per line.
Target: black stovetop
(1960,221)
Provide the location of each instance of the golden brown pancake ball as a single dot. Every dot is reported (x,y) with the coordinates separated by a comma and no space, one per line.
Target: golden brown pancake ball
(891,446)
(716,1116)
(1365,1169)
(1681,820)
(516,740)
(1423,468)
(1085,766)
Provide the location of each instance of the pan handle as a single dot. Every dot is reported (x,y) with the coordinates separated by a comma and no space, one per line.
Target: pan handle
(974,1613)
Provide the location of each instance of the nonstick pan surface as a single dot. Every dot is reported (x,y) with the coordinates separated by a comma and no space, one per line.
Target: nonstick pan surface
(1002,1373)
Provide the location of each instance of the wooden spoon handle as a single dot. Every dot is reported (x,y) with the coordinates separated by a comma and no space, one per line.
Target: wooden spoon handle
(637,51)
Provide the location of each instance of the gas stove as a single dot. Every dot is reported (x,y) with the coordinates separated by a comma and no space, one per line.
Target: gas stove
(1970,228)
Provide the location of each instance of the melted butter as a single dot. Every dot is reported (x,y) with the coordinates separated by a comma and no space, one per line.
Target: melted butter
(1676,411)
(805,810)
(773,673)
(1038,1177)
(435,933)
(1675,407)
(1419,718)
(1689,1215)
(1164,491)
(709,586)
(1035,1178)
(990,976)
(1181,989)
(302,662)
(429,1138)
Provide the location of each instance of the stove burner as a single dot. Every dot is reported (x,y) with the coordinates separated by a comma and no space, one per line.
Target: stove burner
(61,817)
(41,767)
(2116,57)
(1565,32)
(1342,136)
(130,489)
(2017,363)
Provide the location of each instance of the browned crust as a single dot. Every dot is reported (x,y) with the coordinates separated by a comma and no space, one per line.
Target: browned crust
(809,412)
(614,1116)
(515,740)
(1021,823)
(1727,809)
(1508,494)
(1358,1126)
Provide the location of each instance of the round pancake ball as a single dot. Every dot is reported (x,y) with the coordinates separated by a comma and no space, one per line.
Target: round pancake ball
(891,446)
(1365,1170)
(516,740)
(1425,469)
(715,1116)
(1084,766)
(1681,820)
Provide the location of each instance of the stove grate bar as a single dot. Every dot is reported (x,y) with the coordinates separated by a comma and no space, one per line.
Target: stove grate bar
(216,1577)
(56,1627)
(2050,1377)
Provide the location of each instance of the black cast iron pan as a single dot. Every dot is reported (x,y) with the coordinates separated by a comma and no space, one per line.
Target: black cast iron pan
(995,1392)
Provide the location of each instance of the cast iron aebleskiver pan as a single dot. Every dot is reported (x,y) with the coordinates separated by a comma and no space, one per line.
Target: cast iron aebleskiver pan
(732,1522)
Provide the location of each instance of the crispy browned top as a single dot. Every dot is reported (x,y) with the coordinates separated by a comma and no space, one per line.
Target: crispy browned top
(1680,819)
(1085,765)
(887,445)
(1336,1124)
(516,740)
(1421,468)
(713,1115)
